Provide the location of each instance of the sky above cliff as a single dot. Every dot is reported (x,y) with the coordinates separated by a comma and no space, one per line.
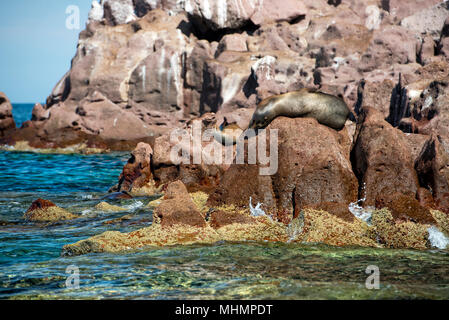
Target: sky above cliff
(36,47)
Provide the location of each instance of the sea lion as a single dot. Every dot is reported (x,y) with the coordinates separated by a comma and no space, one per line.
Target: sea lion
(305,103)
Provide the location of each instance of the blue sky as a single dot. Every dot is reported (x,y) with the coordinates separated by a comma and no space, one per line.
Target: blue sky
(36,48)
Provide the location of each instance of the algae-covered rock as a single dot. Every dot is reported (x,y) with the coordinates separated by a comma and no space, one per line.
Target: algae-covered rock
(399,234)
(406,208)
(442,220)
(155,235)
(46,211)
(223,218)
(321,226)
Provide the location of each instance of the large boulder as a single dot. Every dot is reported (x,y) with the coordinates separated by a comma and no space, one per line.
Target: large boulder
(136,174)
(432,166)
(429,21)
(313,167)
(178,208)
(382,159)
(46,211)
(178,157)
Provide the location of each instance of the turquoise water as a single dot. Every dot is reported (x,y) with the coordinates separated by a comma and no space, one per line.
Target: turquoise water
(21,112)
(31,266)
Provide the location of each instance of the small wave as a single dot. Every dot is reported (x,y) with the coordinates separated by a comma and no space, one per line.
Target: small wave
(437,238)
(86,212)
(360,212)
(134,205)
(257,211)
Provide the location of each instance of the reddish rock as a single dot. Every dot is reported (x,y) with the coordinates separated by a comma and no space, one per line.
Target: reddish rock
(313,167)
(232,42)
(143,68)
(404,8)
(175,189)
(40,204)
(425,198)
(6,119)
(39,113)
(203,176)
(415,143)
(432,166)
(429,21)
(46,211)
(389,45)
(137,172)
(405,207)
(431,109)
(221,218)
(178,208)
(377,95)
(382,159)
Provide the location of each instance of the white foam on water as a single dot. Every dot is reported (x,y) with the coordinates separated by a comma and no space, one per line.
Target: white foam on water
(134,205)
(437,238)
(294,229)
(360,212)
(86,212)
(257,211)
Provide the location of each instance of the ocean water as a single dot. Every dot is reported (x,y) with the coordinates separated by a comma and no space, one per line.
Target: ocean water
(31,265)
(21,112)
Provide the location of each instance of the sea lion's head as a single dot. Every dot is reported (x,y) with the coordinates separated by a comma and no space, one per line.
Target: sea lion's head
(260,120)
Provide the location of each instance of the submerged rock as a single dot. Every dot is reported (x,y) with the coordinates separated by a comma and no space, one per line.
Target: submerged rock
(106,207)
(46,211)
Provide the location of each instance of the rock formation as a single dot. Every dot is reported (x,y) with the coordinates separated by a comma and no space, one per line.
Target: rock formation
(6,120)
(144,67)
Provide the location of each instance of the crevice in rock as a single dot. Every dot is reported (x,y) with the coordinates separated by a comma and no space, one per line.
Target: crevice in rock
(424,172)
(358,166)
(359,102)
(298,19)
(250,86)
(399,104)
(334,3)
(203,31)
(385,5)
(294,202)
